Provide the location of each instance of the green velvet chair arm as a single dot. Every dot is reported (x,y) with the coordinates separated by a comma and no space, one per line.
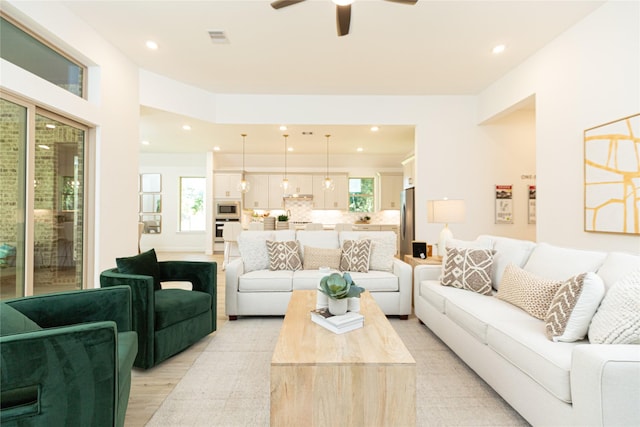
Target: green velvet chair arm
(72,307)
(143,317)
(202,275)
(60,376)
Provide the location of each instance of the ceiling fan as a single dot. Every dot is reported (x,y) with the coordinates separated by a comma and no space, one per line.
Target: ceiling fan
(343,11)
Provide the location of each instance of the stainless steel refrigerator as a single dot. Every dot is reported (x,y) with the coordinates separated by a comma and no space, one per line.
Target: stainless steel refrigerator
(407,218)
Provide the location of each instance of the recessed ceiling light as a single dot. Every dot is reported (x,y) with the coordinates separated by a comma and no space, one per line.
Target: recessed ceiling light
(216,148)
(499,49)
(44,147)
(151,44)
(359,149)
(50,126)
(186,127)
(145,142)
(290,149)
(283,127)
(375,128)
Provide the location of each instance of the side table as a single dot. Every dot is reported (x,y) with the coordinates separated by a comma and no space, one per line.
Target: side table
(414,262)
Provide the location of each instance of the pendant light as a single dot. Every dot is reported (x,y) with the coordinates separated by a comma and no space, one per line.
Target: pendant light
(243,186)
(285,182)
(328,184)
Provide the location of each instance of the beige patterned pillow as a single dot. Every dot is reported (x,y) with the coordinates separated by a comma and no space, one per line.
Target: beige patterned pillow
(468,269)
(284,255)
(573,306)
(617,320)
(531,293)
(314,258)
(355,255)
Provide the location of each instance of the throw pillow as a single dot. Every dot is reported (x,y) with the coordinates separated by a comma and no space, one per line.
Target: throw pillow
(284,255)
(468,269)
(144,264)
(617,321)
(253,249)
(13,321)
(314,258)
(573,307)
(527,291)
(355,255)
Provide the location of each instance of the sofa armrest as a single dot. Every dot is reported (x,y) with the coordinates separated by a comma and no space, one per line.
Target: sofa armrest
(404,273)
(605,384)
(232,274)
(60,376)
(426,272)
(73,307)
(142,307)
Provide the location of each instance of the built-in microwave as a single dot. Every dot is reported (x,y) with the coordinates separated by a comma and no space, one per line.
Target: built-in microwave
(228,209)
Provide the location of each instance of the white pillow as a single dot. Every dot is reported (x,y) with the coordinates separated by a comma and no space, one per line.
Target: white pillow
(384,245)
(253,249)
(573,307)
(617,321)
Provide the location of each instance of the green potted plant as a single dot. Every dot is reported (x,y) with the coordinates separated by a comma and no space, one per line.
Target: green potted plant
(283,222)
(339,288)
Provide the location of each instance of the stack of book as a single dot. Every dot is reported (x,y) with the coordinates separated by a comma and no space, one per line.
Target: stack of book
(337,324)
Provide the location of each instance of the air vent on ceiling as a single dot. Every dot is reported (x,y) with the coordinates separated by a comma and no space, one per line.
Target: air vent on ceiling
(218,36)
(307,133)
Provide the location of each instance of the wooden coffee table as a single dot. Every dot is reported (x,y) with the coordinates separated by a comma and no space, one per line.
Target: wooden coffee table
(365,377)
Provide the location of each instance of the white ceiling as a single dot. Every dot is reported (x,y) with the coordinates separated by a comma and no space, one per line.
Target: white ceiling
(433,47)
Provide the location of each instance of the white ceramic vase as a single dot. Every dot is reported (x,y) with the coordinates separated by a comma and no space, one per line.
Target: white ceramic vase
(354,304)
(322,300)
(338,307)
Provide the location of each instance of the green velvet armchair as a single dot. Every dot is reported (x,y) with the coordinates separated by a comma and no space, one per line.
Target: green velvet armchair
(67,358)
(167,320)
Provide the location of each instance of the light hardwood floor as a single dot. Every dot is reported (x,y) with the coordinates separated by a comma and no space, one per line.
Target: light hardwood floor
(149,388)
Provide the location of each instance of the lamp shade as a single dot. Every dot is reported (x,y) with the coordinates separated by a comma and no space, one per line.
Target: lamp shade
(445,211)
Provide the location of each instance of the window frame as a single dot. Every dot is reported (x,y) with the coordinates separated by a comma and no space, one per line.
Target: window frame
(180,202)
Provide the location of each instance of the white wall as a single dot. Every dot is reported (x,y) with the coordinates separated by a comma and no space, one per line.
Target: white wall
(588,76)
(172,167)
(112,109)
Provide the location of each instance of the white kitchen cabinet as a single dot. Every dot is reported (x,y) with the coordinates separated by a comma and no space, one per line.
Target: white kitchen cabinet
(225,185)
(300,183)
(338,199)
(275,191)
(409,172)
(258,195)
(390,188)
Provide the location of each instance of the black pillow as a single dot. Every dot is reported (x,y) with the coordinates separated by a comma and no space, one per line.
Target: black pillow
(145,264)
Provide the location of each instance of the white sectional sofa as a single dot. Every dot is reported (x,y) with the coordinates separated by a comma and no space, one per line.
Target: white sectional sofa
(549,383)
(253,289)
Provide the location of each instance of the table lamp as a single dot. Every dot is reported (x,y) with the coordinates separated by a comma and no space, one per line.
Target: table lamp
(445,212)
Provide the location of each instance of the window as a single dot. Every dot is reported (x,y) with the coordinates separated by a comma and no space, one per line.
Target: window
(27,52)
(192,215)
(361,195)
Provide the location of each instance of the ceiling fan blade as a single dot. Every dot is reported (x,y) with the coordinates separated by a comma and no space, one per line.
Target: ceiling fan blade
(410,2)
(343,19)
(278,4)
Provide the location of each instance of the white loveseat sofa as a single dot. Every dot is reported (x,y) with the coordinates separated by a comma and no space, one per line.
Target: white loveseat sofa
(252,289)
(549,383)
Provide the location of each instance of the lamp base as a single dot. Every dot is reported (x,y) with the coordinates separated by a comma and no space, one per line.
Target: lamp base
(445,235)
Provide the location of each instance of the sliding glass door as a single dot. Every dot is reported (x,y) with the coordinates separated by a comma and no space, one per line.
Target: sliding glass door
(43,203)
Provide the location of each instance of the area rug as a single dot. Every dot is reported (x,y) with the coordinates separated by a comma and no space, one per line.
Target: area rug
(228,384)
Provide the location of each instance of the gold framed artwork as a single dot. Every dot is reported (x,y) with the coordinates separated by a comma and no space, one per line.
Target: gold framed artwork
(612,177)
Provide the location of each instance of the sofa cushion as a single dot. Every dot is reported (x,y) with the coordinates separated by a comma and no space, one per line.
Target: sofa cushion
(13,321)
(553,262)
(468,269)
(355,255)
(326,239)
(376,281)
(617,265)
(309,279)
(617,321)
(507,251)
(531,293)
(144,264)
(434,293)
(175,305)
(314,258)
(253,249)
(384,245)
(523,343)
(266,281)
(573,306)
(284,255)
